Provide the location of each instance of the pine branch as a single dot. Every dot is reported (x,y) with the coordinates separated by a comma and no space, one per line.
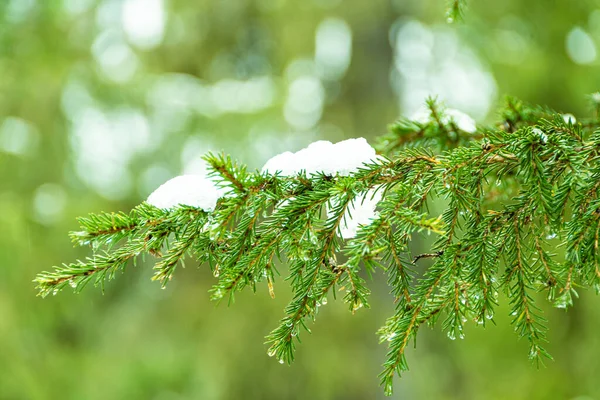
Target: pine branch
(320,275)
(98,268)
(509,194)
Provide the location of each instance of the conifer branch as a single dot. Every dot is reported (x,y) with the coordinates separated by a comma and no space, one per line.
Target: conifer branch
(508,194)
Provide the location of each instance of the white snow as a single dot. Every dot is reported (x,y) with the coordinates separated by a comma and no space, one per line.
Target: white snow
(342,158)
(283,163)
(317,157)
(422,116)
(349,155)
(569,119)
(190,190)
(360,212)
(463,121)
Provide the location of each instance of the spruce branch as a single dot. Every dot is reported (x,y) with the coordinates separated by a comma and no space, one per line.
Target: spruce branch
(508,194)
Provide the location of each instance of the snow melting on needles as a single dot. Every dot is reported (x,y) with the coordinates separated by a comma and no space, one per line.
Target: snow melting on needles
(463,121)
(342,158)
(190,190)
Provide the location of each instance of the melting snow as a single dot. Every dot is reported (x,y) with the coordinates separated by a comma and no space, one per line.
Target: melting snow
(422,116)
(463,121)
(284,163)
(190,190)
(362,211)
(341,158)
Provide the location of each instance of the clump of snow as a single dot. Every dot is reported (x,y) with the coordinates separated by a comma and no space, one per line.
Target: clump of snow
(422,116)
(342,158)
(362,211)
(569,118)
(351,154)
(463,121)
(315,158)
(283,163)
(190,190)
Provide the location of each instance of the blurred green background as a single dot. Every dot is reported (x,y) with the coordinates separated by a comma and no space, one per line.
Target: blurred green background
(103,100)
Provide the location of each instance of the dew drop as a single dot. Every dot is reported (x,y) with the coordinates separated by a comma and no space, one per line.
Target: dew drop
(281,361)
(533,353)
(561,302)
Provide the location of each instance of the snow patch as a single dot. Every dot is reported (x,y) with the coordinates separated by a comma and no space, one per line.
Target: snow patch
(190,190)
(282,163)
(362,211)
(463,121)
(342,158)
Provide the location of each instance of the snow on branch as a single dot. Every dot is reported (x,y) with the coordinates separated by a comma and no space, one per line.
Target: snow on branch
(330,215)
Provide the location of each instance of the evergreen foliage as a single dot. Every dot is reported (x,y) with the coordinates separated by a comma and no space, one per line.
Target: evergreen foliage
(455,10)
(510,194)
